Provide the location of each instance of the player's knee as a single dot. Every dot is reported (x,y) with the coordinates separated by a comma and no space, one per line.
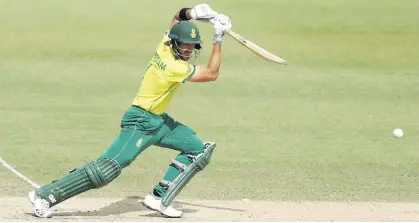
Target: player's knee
(208,150)
(203,158)
(123,161)
(195,147)
(102,171)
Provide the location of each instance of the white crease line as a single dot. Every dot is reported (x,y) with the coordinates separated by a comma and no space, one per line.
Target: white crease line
(23,177)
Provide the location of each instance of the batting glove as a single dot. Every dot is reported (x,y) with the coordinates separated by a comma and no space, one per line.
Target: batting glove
(219,31)
(224,20)
(202,12)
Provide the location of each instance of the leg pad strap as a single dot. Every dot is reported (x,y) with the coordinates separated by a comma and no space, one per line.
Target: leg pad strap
(178,165)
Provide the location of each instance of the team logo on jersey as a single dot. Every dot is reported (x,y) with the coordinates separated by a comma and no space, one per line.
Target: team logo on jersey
(193,33)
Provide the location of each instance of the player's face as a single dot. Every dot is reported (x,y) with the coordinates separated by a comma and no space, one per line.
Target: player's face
(186,50)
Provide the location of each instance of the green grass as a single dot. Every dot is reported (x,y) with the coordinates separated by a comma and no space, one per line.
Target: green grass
(318,129)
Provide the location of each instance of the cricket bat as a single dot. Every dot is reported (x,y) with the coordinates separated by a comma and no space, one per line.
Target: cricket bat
(254,47)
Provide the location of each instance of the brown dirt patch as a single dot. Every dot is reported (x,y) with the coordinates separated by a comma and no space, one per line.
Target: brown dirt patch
(130,209)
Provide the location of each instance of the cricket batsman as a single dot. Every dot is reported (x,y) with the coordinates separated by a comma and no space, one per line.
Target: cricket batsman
(146,123)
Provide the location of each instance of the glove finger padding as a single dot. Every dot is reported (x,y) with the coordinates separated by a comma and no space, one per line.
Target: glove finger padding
(218,32)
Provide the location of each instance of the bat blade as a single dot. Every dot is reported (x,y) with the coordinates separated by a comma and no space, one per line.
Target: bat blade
(256,49)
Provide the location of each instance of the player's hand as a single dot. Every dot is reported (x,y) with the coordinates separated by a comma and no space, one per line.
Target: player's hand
(221,24)
(202,12)
(224,20)
(219,31)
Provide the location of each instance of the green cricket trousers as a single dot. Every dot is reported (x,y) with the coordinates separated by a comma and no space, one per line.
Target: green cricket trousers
(139,130)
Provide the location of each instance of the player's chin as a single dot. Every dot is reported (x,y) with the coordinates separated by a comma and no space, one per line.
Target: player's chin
(186,58)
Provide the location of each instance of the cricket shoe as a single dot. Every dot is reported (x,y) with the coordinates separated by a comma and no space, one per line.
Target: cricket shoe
(154,203)
(40,206)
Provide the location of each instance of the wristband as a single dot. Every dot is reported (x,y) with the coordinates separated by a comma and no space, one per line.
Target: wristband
(182,14)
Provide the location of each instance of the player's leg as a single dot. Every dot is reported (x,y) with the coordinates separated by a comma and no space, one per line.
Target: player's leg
(194,156)
(131,141)
(128,145)
(95,174)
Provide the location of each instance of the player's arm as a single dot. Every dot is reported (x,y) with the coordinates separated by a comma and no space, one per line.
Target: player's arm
(201,11)
(186,15)
(211,71)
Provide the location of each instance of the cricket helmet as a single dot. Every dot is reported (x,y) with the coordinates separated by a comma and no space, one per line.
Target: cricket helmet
(186,32)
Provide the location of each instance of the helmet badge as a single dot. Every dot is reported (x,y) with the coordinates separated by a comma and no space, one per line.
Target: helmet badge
(193,33)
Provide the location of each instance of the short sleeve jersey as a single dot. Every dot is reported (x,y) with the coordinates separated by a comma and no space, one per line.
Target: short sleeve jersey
(162,78)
